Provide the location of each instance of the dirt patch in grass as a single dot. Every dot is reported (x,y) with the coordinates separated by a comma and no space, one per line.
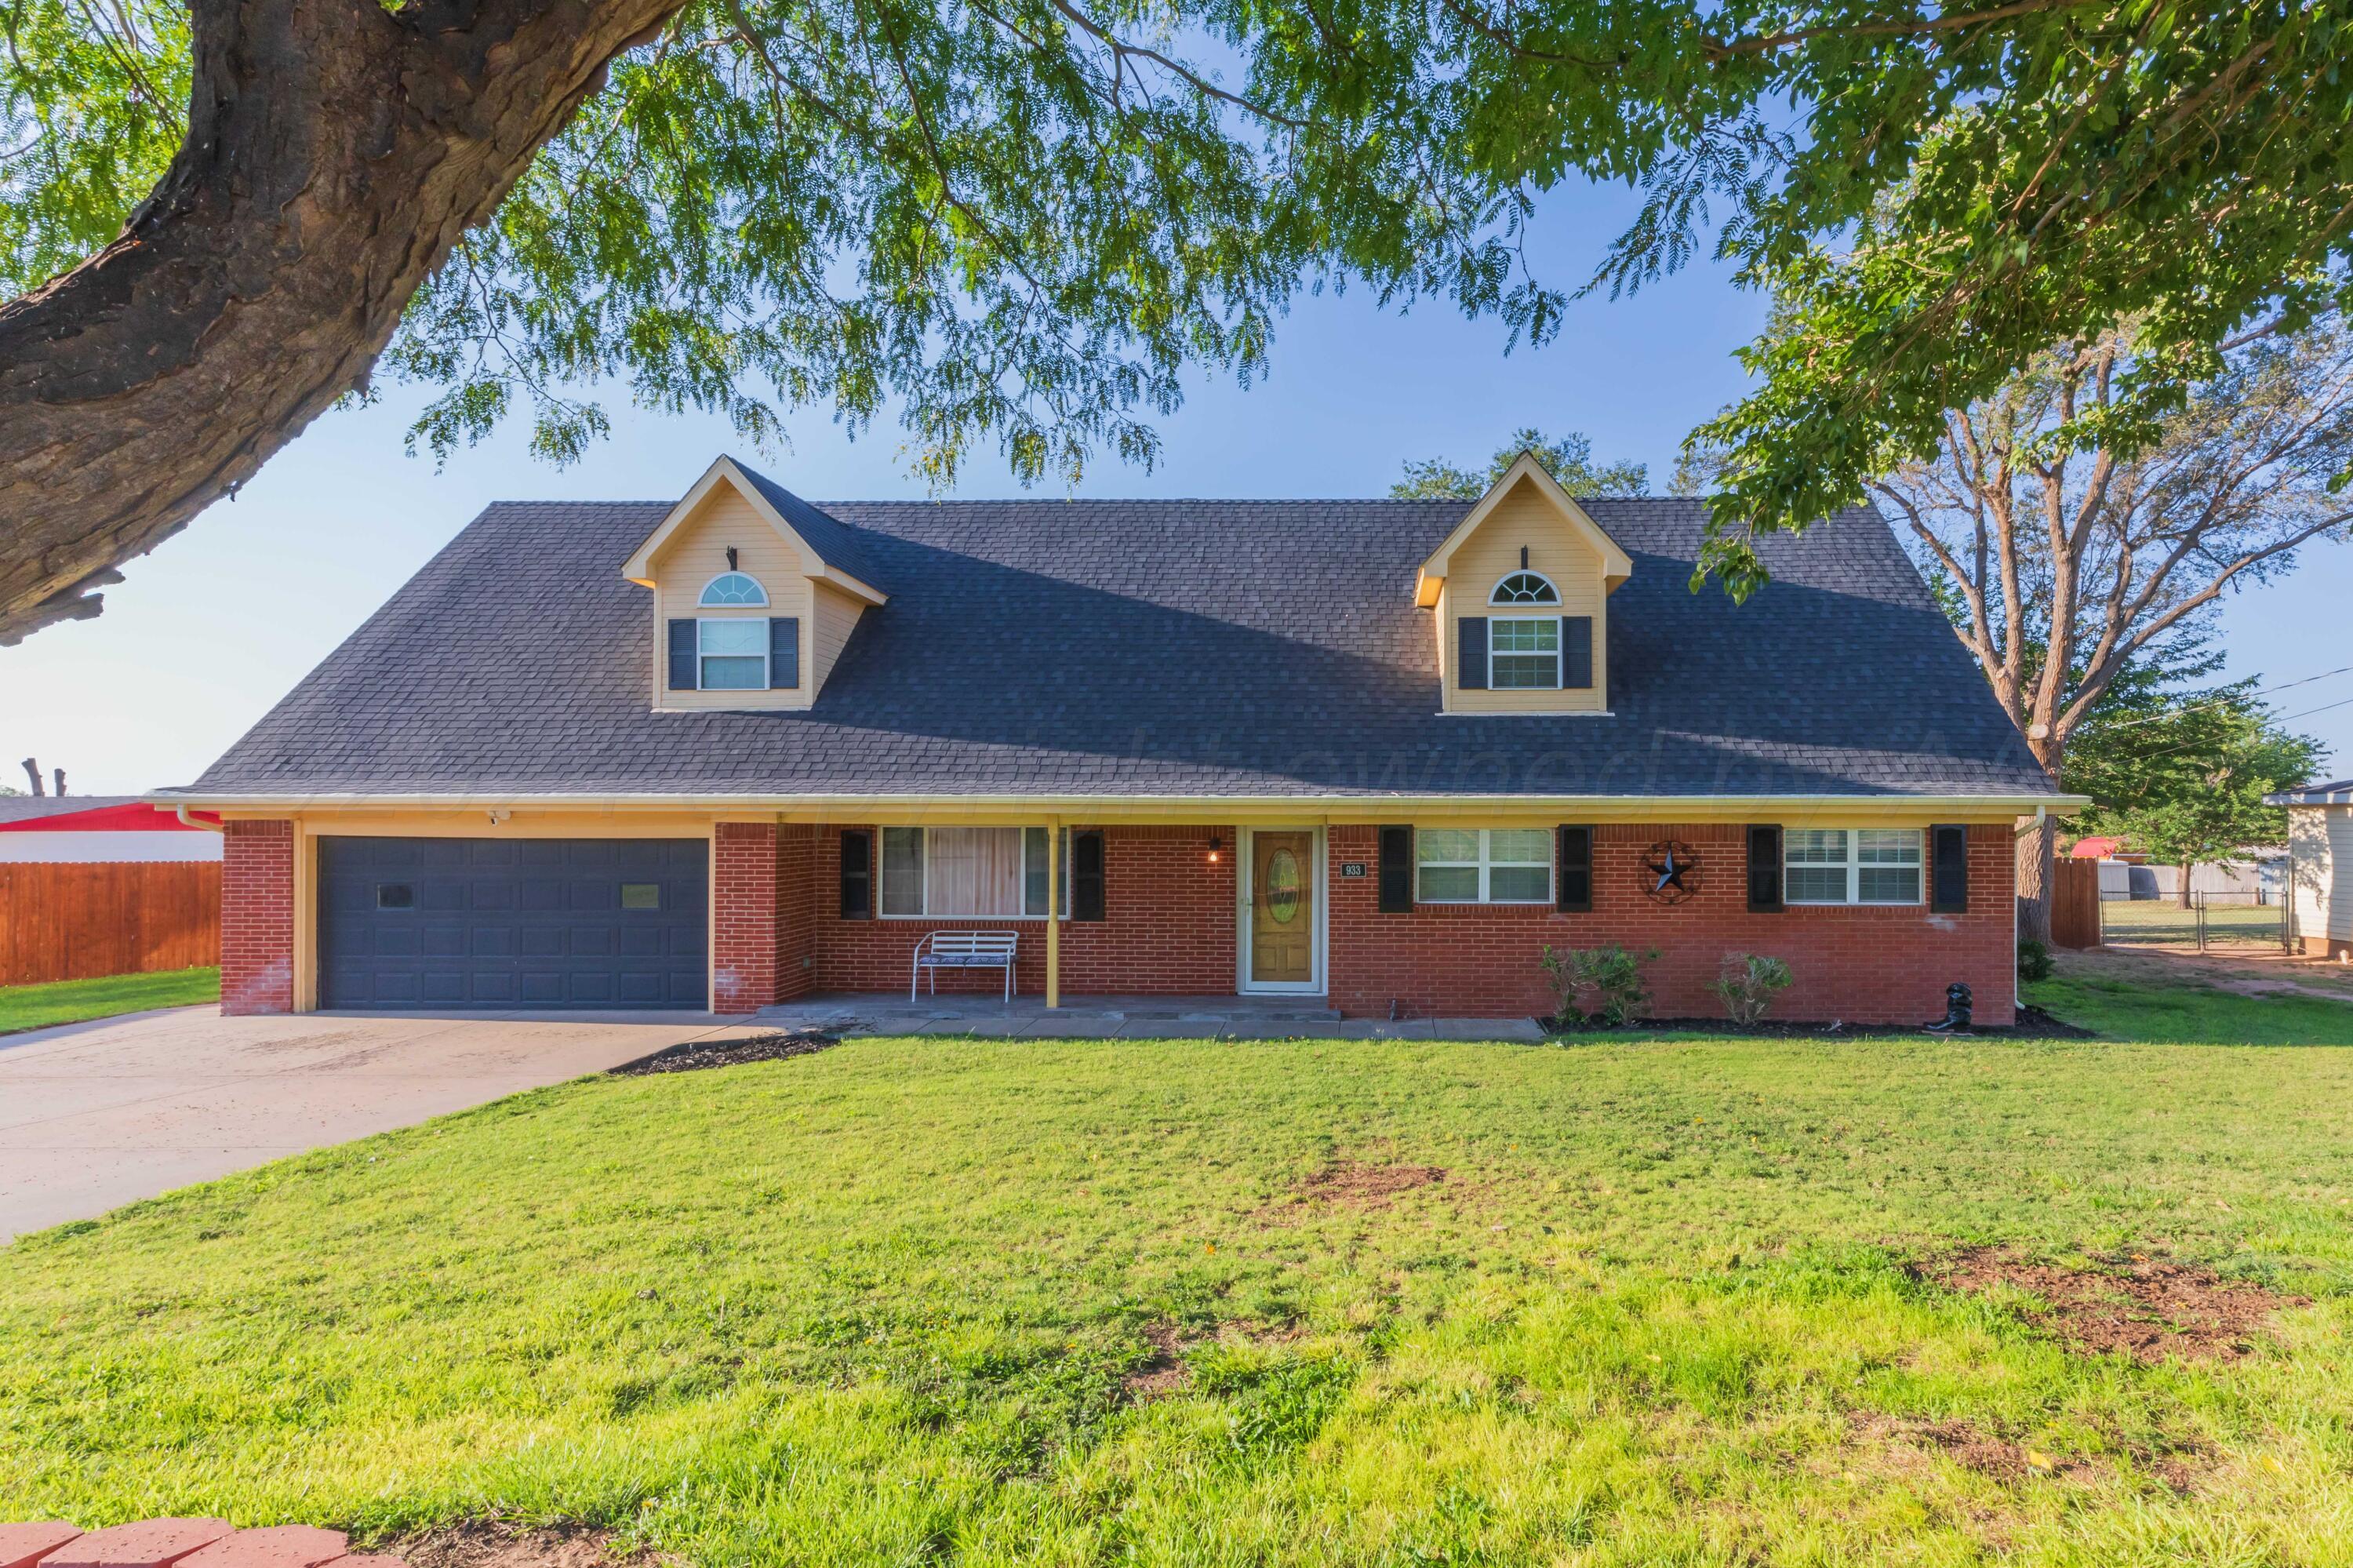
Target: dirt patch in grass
(697,1054)
(2146,1307)
(2003,1459)
(1162,1373)
(1364,1186)
(489,1544)
(1979,1451)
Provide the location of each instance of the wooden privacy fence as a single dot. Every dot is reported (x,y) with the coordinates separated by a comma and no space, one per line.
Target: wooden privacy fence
(2075,903)
(77,920)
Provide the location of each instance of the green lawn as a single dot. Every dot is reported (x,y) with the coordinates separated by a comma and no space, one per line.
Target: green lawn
(875,1305)
(69,1001)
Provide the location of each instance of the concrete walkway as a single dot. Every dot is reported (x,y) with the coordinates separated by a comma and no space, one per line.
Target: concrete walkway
(96,1114)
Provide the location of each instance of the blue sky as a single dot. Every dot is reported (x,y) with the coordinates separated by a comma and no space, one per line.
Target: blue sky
(215,626)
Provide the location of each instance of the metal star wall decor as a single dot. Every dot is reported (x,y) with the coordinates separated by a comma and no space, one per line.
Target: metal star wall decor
(1674,871)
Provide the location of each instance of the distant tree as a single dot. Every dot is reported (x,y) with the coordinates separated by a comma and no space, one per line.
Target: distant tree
(2069,544)
(1568,459)
(2180,774)
(1698,467)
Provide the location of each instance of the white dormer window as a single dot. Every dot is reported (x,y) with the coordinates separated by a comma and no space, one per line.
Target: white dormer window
(1525,587)
(1523,652)
(733,590)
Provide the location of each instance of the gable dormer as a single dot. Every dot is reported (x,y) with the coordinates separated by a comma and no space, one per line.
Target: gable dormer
(754,593)
(1521,588)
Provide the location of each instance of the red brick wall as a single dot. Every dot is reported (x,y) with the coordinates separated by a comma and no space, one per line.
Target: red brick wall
(1874,964)
(1168,927)
(796,891)
(257,917)
(744,912)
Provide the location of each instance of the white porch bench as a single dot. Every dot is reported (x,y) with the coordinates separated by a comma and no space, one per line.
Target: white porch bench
(962,951)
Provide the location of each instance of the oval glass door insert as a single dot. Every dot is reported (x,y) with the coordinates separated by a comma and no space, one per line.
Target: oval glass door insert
(1282,887)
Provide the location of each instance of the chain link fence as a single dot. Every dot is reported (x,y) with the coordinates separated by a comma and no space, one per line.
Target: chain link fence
(2211,921)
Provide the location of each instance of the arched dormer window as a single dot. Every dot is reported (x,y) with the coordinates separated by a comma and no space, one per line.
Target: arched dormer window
(733,590)
(1525,587)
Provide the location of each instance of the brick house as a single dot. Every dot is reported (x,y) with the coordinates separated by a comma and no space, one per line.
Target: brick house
(739,749)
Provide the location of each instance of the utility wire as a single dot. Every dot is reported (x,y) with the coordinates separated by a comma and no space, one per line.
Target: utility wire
(2218,701)
(2184,745)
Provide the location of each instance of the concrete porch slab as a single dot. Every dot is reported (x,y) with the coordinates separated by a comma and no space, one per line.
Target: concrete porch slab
(1122,1018)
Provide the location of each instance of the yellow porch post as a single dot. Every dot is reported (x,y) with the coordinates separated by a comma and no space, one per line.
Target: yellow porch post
(1053,899)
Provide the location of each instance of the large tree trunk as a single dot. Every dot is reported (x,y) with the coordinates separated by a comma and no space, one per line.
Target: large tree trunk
(2038,852)
(335,153)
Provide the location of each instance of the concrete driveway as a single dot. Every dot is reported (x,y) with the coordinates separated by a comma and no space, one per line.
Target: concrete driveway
(95,1115)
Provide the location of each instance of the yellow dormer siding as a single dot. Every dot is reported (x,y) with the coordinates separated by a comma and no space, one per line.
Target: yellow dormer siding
(1527,523)
(725,510)
(698,553)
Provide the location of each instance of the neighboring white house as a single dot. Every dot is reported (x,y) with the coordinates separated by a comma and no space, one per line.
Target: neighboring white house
(98,828)
(2320,862)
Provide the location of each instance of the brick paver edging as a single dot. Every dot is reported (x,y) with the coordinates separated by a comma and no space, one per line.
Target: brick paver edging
(180,1543)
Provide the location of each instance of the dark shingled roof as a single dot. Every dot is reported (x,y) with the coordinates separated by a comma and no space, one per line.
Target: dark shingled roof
(23,808)
(1193,648)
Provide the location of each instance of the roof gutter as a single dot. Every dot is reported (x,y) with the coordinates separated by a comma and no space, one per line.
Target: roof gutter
(1370,807)
(2310,798)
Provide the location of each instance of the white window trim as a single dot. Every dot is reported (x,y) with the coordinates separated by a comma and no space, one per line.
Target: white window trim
(1558,654)
(768,672)
(1486,864)
(1853,866)
(701,602)
(1494,594)
(1062,914)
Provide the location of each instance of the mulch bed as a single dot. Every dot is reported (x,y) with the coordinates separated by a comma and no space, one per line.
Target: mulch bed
(697,1054)
(2148,1308)
(2033,1024)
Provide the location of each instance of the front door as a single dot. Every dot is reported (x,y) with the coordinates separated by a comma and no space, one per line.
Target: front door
(1283,908)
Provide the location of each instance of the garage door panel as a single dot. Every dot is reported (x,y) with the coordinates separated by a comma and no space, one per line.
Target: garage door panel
(513,923)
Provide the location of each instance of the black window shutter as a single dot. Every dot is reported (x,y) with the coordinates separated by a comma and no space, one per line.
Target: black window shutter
(1574,888)
(858,874)
(1470,653)
(1577,652)
(1764,868)
(681,656)
(1397,871)
(1951,892)
(1087,877)
(784,652)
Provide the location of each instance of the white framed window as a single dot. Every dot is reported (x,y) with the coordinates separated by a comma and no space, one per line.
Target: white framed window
(1525,587)
(1482,865)
(970,873)
(1850,866)
(731,655)
(1523,652)
(732,591)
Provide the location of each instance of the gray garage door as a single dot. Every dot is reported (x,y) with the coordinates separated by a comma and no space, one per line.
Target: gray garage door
(513,923)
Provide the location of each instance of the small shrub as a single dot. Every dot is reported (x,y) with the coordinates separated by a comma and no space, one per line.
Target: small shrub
(1611,976)
(1748,982)
(2033,959)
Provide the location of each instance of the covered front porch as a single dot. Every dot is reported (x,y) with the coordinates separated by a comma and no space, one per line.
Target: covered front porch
(1029,1017)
